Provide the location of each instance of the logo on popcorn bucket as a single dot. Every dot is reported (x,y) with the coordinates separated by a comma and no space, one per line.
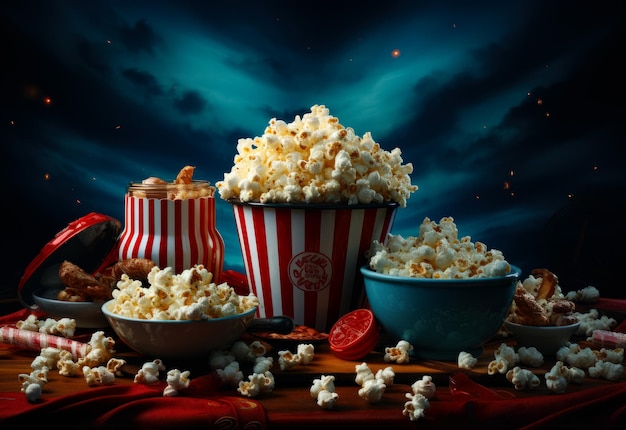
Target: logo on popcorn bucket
(310,271)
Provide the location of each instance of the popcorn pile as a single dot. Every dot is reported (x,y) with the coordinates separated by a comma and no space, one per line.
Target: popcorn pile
(189,295)
(315,159)
(436,253)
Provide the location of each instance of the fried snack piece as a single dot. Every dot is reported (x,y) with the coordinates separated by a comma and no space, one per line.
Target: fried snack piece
(529,312)
(135,268)
(81,286)
(548,285)
(185,176)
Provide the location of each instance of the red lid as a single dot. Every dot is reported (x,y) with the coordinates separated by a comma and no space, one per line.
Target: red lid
(355,335)
(89,242)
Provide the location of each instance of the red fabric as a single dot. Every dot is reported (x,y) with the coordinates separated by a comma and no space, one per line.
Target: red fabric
(137,406)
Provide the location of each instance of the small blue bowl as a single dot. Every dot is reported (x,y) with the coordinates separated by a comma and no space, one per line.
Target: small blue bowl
(440,317)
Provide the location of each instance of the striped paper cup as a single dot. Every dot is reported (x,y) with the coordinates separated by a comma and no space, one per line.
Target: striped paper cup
(177,233)
(303,260)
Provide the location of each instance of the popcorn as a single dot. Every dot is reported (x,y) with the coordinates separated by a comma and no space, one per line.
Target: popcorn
(98,375)
(505,357)
(399,353)
(190,295)
(589,294)
(522,378)
(176,381)
(606,370)
(436,253)
(425,386)
(100,352)
(530,356)
(323,390)
(415,407)
(64,327)
(149,372)
(315,159)
(466,360)
(560,375)
(372,390)
(257,383)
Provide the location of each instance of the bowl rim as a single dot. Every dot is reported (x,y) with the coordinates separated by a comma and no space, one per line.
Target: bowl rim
(107,313)
(319,206)
(544,328)
(513,275)
(48,301)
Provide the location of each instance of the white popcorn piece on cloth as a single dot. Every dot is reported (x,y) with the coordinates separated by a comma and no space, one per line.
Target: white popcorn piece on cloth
(99,375)
(176,381)
(324,382)
(425,386)
(415,408)
(606,370)
(149,372)
(466,360)
(327,399)
(522,378)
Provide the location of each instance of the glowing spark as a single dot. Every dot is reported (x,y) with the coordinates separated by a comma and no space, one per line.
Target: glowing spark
(78,201)
(528,93)
(539,102)
(512,173)
(477,197)
(47,101)
(595,168)
(454,25)
(547,114)
(507,185)
(108,42)
(570,195)
(46,176)
(395,53)
(117,127)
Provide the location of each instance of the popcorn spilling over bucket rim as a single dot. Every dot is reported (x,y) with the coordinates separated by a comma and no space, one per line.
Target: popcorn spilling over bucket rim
(315,205)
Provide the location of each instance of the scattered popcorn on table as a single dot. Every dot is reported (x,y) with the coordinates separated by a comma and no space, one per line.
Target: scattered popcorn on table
(176,381)
(315,159)
(64,327)
(592,320)
(611,355)
(560,376)
(589,294)
(101,350)
(436,253)
(231,375)
(522,378)
(263,364)
(372,390)
(505,358)
(306,351)
(576,356)
(398,353)
(323,390)
(99,375)
(530,356)
(387,375)
(190,295)
(32,384)
(257,383)
(415,407)
(114,365)
(287,359)
(466,360)
(606,370)
(425,386)
(363,373)
(149,372)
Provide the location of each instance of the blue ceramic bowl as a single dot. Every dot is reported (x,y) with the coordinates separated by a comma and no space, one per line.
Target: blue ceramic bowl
(440,317)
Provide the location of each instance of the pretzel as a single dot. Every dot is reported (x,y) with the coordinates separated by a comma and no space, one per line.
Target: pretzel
(529,312)
(548,285)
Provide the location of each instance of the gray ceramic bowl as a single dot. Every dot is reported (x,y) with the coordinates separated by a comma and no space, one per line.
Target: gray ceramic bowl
(547,339)
(86,314)
(440,317)
(176,339)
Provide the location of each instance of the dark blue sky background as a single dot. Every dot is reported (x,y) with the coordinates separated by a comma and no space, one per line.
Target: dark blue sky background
(512,113)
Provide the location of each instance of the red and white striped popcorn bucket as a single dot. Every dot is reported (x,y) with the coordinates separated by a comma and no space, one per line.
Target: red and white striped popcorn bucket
(303,260)
(176,229)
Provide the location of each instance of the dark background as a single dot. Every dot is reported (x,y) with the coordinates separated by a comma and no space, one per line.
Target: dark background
(512,113)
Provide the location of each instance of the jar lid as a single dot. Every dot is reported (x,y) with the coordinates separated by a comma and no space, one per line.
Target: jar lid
(90,242)
(354,335)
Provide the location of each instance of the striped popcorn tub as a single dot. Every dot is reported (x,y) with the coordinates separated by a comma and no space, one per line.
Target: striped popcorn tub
(173,225)
(303,260)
